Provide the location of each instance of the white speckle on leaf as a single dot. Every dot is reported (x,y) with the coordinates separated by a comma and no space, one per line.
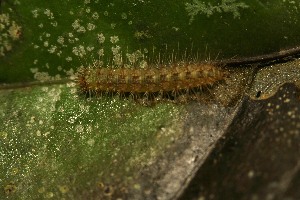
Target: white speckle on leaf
(101,38)
(35,13)
(90,48)
(113,25)
(90,26)
(69,58)
(115,50)
(95,15)
(48,13)
(91,142)
(101,52)
(46,44)
(79,51)
(228,6)
(114,39)
(52,49)
(38,133)
(54,24)
(60,39)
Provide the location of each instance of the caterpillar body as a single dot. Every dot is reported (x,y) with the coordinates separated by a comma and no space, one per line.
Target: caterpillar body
(152,82)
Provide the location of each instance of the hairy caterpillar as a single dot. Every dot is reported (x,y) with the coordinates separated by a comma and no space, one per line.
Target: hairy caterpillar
(170,82)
